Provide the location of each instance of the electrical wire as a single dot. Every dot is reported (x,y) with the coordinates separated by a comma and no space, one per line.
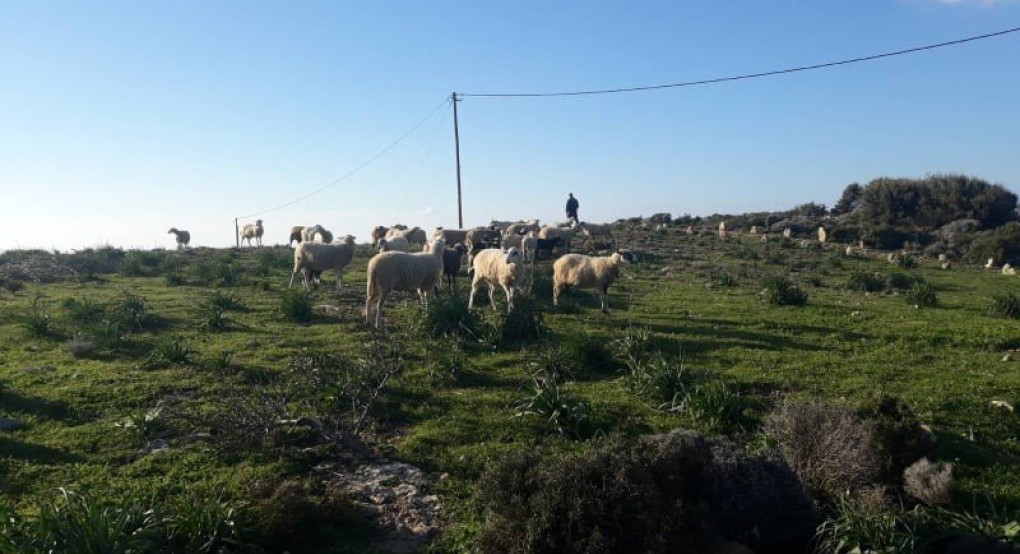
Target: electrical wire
(350,173)
(745,76)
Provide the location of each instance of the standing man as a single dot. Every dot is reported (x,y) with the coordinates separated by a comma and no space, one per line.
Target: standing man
(572,205)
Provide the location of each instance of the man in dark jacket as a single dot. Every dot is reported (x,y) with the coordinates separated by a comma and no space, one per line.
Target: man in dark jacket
(572,205)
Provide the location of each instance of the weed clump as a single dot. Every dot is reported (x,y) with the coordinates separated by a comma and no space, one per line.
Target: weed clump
(521,325)
(296,306)
(171,351)
(559,409)
(589,352)
(929,482)
(865,281)
(780,291)
(898,438)
(1006,305)
(922,295)
(448,315)
(37,322)
(828,447)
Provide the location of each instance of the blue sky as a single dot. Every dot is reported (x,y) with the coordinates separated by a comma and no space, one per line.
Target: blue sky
(121,119)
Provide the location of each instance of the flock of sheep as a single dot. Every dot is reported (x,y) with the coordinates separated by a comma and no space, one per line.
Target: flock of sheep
(501,255)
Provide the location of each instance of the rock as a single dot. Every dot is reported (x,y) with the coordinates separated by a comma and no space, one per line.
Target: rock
(1002,404)
(7,424)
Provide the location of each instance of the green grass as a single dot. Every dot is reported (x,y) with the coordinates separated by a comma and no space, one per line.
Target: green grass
(946,363)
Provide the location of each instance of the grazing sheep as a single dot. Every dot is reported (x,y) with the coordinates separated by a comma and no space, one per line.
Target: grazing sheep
(788,232)
(451,236)
(252,231)
(754,230)
(849,252)
(452,260)
(545,247)
(183,237)
(822,235)
(316,233)
(690,230)
(390,271)
(312,258)
(393,244)
(565,234)
(577,270)
(501,225)
(295,235)
(990,264)
(479,238)
(1008,269)
(522,228)
(593,230)
(378,233)
(494,267)
(947,265)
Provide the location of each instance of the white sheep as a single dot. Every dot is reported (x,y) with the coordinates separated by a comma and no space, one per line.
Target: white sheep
(592,230)
(316,233)
(478,238)
(312,258)
(823,235)
(451,236)
(527,244)
(1008,269)
(990,264)
(252,231)
(577,270)
(722,229)
(390,271)
(183,237)
(565,234)
(494,267)
(522,228)
(393,244)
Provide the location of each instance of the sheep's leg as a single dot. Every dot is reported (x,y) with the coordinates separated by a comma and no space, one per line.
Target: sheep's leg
(557,289)
(492,296)
(474,288)
(509,298)
(378,309)
(340,281)
(604,299)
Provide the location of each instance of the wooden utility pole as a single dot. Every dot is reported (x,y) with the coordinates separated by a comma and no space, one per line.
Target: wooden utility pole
(456,144)
(237,233)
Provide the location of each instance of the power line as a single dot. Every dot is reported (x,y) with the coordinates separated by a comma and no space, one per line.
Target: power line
(338,180)
(746,76)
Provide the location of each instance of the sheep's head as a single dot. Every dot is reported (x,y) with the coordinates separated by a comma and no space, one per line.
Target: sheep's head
(460,248)
(627,256)
(172,230)
(438,245)
(258,222)
(381,245)
(513,255)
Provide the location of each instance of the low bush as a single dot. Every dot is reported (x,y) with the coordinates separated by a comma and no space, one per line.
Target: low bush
(552,364)
(922,295)
(447,315)
(36,321)
(865,281)
(523,324)
(295,305)
(634,344)
(587,351)
(170,351)
(1006,304)
(659,378)
(559,409)
(902,281)
(780,291)
(828,447)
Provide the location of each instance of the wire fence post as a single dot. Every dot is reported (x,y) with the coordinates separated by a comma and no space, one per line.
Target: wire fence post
(237,234)
(456,144)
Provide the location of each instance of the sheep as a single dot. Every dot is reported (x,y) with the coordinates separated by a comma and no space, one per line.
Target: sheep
(295,234)
(565,234)
(990,264)
(452,260)
(494,267)
(722,229)
(451,236)
(690,230)
(577,270)
(547,246)
(312,258)
(1008,269)
(823,235)
(527,244)
(788,232)
(393,244)
(183,237)
(754,230)
(478,238)
(522,228)
(501,225)
(943,258)
(378,233)
(252,231)
(592,230)
(390,271)
(316,233)
(414,235)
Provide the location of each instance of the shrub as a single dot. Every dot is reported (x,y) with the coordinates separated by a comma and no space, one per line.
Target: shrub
(635,343)
(780,291)
(898,438)
(167,352)
(828,447)
(622,495)
(129,312)
(80,346)
(551,364)
(268,260)
(722,278)
(588,352)
(857,527)
(37,321)
(865,281)
(757,500)
(929,482)
(296,305)
(902,281)
(718,404)
(559,409)
(216,272)
(523,324)
(142,263)
(446,361)
(211,316)
(12,285)
(1006,304)
(906,261)
(85,311)
(448,315)
(662,379)
(923,295)
(222,360)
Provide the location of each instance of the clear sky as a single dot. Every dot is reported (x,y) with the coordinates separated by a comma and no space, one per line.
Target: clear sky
(121,119)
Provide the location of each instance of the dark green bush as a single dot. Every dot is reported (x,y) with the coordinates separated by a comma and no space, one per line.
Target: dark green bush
(587,351)
(780,291)
(447,315)
(902,281)
(1006,304)
(168,352)
(295,305)
(865,281)
(524,324)
(143,263)
(1001,244)
(36,321)
(622,495)
(922,295)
